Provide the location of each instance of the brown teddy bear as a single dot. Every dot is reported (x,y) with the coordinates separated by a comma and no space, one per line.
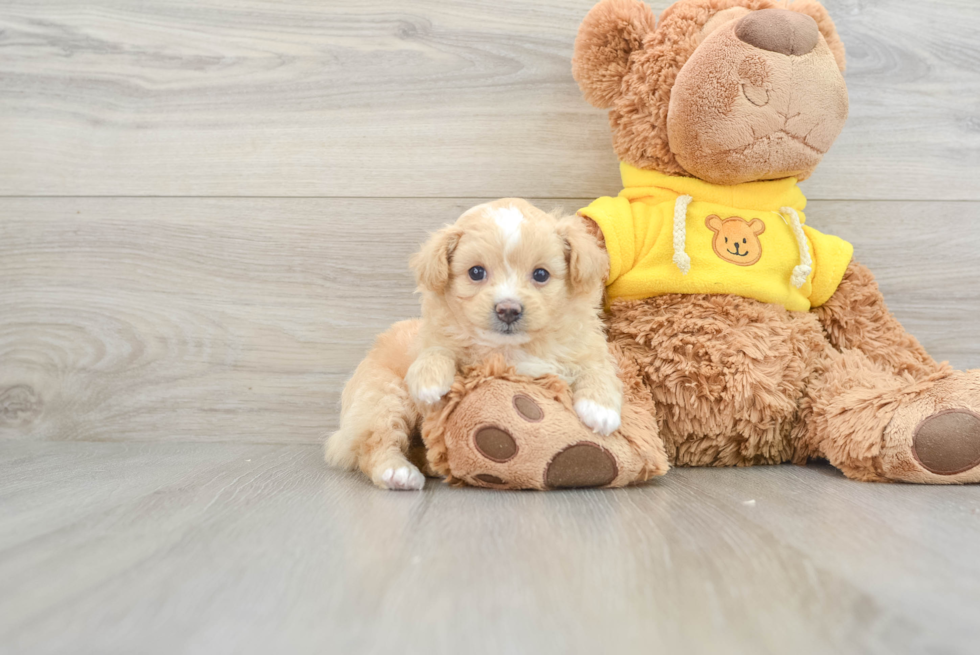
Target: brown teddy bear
(743,335)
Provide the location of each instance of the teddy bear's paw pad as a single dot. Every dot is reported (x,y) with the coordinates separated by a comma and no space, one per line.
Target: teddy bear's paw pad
(527,409)
(495,444)
(948,442)
(581,465)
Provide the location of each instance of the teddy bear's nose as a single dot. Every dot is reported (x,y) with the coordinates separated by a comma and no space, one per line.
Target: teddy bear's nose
(779,30)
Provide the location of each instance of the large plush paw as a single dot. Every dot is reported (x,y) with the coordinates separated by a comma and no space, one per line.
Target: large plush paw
(935,438)
(517,435)
(602,420)
(401,478)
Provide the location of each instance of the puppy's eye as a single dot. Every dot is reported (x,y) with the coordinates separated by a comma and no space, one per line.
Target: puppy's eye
(478,273)
(540,275)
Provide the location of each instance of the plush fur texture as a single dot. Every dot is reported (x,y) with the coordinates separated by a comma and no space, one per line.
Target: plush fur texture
(725,373)
(856,318)
(736,382)
(500,257)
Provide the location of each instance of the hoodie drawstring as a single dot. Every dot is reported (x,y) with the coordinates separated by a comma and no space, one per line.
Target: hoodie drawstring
(805,267)
(681,258)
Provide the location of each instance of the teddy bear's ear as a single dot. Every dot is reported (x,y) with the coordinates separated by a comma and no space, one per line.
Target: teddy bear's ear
(431,263)
(611,31)
(816,11)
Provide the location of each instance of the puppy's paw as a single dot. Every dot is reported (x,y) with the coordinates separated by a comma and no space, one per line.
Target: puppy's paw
(429,379)
(429,395)
(402,478)
(602,420)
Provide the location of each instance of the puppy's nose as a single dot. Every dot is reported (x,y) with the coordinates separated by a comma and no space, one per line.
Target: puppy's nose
(508,311)
(779,30)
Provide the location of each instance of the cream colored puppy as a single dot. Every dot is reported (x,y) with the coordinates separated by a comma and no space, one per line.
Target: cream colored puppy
(506,278)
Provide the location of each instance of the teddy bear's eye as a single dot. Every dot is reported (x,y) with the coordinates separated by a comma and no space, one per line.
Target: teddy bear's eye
(477,273)
(744,241)
(726,239)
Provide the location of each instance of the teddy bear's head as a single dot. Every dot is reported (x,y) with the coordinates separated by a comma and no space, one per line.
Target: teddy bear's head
(728,91)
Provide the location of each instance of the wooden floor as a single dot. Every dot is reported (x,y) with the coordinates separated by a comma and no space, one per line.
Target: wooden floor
(238,548)
(206,210)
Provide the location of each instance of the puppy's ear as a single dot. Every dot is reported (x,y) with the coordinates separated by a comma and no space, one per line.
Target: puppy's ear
(610,33)
(588,263)
(431,262)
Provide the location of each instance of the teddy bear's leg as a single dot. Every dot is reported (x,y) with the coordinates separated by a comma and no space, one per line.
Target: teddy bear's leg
(874,424)
(857,318)
(509,432)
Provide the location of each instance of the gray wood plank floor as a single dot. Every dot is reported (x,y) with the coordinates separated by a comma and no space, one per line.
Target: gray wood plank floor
(218,548)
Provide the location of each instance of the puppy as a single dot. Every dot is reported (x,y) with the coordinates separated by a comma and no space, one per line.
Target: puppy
(506,278)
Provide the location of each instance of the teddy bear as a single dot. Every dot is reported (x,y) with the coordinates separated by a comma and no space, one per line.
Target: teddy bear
(744,336)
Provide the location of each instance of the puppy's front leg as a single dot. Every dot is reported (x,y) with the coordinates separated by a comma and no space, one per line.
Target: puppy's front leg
(598,394)
(431,375)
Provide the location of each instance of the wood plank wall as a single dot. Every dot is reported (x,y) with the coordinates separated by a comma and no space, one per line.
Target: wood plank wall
(207,206)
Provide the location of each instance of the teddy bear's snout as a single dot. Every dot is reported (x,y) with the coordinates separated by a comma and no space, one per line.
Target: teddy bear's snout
(779,30)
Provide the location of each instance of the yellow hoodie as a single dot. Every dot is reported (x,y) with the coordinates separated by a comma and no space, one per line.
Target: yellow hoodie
(670,234)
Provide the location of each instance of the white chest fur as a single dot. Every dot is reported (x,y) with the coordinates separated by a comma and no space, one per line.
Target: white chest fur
(535,366)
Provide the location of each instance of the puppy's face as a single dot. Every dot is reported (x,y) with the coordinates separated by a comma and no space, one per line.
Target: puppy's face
(507,272)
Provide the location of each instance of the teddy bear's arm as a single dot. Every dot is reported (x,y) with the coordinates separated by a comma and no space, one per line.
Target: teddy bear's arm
(856,317)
